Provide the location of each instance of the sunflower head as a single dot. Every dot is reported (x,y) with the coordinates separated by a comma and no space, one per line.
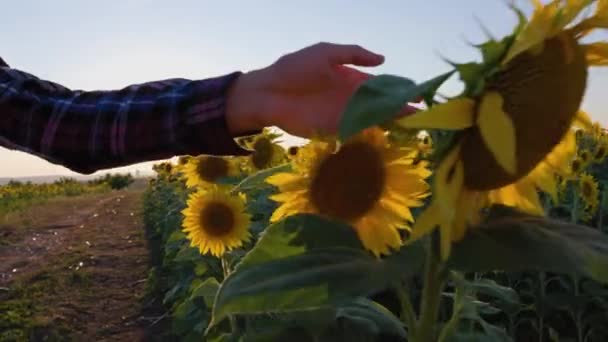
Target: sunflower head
(183,160)
(601,150)
(589,191)
(206,169)
(585,157)
(292,151)
(577,166)
(216,221)
(366,182)
(536,77)
(266,153)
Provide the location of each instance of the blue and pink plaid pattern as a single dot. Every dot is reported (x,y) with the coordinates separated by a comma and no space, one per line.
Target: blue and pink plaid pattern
(91,130)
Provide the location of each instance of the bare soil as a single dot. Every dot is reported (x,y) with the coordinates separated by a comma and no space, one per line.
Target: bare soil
(75,269)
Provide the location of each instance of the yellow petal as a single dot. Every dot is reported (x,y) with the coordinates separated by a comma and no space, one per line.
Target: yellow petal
(597,53)
(448,182)
(498,131)
(536,30)
(598,20)
(452,115)
(583,120)
(425,223)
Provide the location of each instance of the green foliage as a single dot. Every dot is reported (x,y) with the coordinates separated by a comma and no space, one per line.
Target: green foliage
(514,277)
(15,195)
(381,99)
(114,181)
(512,241)
(291,269)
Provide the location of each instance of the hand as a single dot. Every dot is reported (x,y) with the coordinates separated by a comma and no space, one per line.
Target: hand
(303,93)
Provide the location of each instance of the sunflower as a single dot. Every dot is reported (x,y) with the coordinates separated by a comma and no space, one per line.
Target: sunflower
(589,191)
(534,78)
(292,151)
(206,169)
(601,150)
(366,182)
(585,157)
(425,143)
(216,221)
(266,153)
(576,166)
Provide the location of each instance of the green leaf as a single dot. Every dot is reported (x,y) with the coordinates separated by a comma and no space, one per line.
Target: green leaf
(512,241)
(307,262)
(258,179)
(207,290)
(493,51)
(374,317)
(380,99)
(297,234)
(505,296)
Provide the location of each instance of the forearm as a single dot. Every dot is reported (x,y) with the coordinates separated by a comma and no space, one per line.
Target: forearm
(88,131)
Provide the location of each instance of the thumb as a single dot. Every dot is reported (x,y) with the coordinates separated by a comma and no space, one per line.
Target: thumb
(351,54)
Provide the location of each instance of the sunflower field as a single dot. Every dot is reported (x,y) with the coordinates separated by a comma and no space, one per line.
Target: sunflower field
(17,195)
(459,222)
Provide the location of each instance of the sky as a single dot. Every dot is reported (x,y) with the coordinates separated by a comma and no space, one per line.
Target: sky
(93,45)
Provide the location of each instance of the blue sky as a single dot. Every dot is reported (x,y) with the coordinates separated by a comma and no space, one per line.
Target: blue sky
(110,44)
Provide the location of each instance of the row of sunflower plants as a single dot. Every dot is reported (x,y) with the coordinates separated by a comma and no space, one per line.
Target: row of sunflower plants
(493,233)
(17,195)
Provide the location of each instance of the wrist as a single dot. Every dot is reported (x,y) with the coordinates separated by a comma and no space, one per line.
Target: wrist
(247,103)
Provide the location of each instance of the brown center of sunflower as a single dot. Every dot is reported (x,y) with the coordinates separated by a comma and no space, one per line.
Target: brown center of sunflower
(348,184)
(262,153)
(210,168)
(183,160)
(542,93)
(292,150)
(587,189)
(600,153)
(577,165)
(585,156)
(217,219)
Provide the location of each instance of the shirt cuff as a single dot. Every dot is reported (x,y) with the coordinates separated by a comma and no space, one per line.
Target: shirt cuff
(204,126)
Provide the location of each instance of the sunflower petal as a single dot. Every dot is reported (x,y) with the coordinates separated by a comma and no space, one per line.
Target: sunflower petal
(583,120)
(536,30)
(425,223)
(453,115)
(498,131)
(597,53)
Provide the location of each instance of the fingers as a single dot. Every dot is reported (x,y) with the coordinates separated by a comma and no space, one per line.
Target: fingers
(338,54)
(350,75)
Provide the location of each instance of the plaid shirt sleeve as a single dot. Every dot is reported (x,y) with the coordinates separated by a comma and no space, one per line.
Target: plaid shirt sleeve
(91,130)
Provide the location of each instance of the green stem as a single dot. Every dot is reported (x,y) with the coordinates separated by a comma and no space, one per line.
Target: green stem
(600,214)
(234,328)
(574,212)
(541,314)
(450,327)
(407,315)
(431,298)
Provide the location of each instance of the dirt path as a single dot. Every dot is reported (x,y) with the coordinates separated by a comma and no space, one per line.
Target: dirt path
(79,270)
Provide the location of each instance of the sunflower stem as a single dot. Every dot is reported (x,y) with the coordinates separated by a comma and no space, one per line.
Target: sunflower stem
(407,315)
(600,214)
(574,212)
(431,298)
(234,327)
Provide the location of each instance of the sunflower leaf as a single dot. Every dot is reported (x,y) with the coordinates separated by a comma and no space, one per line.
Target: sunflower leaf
(307,262)
(512,241)
(258,179)
(381,98)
